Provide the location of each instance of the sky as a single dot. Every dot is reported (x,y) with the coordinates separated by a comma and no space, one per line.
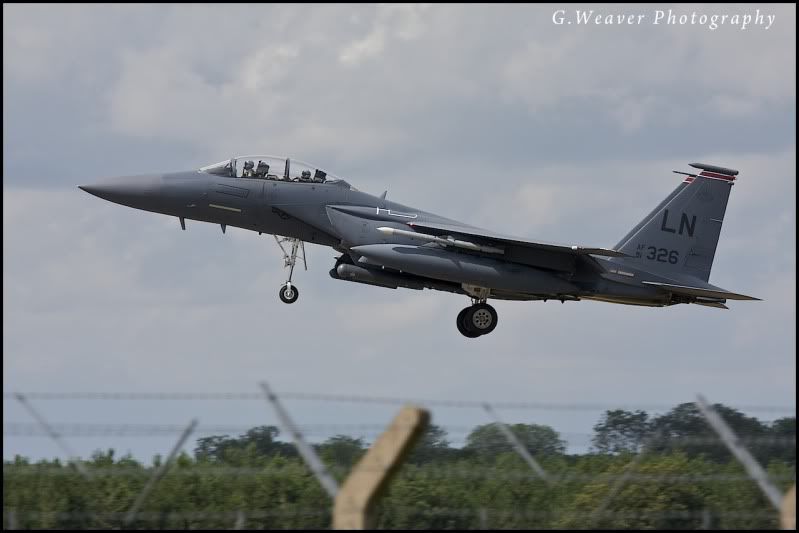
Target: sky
(493,115)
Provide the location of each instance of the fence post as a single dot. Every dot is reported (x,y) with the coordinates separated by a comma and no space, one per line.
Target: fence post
(706,519)
(483,519)
(53,435)
(732,442)
(788,514)
(241,519)
(308,454)
(356,501)
(517,445)
(158,472)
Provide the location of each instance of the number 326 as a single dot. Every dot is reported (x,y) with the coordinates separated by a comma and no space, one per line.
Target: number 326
(663,255)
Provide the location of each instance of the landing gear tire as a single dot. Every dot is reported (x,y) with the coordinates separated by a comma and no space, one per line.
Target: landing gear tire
(462,325)
(289,294)
(479,319)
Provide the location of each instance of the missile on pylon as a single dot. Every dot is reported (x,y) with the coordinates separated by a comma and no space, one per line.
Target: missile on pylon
(440,240)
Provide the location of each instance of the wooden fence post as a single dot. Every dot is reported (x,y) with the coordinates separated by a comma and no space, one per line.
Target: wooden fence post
(788,513)
(356,500)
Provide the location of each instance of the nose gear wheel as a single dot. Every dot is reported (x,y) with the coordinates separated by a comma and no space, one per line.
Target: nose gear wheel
(289,293)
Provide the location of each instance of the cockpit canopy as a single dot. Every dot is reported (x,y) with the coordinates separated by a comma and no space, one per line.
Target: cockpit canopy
(270,167)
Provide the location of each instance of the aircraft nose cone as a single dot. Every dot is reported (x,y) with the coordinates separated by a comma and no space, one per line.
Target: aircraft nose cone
(135,191)
(91,189)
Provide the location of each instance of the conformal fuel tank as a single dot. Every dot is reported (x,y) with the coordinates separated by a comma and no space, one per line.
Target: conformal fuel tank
(440,263)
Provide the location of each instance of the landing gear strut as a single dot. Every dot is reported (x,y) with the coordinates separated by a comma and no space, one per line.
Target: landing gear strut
(288,292)
(477,319)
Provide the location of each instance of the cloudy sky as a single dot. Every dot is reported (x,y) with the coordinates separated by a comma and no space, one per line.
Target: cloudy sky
(494,116)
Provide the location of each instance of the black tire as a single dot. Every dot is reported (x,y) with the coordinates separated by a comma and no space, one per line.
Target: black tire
(481,319)
(286,297)
(461,323)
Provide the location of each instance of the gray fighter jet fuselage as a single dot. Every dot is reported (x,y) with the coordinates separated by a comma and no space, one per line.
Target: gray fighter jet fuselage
(664,260)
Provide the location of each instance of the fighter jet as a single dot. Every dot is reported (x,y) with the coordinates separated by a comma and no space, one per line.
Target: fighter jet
(664,260)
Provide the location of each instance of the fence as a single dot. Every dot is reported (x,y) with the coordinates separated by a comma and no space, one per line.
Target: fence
(502,483)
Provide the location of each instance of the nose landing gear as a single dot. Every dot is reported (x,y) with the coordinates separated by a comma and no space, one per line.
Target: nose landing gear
(288,292)
(476,320)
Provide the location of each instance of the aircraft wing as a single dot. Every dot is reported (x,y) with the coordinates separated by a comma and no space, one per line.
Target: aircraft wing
(700,292)
(437,229)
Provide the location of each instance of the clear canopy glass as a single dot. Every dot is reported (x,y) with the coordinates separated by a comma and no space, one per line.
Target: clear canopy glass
(271,167)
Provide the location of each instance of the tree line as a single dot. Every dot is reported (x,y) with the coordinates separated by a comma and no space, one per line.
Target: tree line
(685,479)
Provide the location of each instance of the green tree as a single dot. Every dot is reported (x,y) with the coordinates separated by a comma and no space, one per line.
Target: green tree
(341,451)
(655,499)
(212,448)
(481,488)
(621,431)
(782,440)
(685,428)
(263,440)
(488,440)
(257,442)
(432,446)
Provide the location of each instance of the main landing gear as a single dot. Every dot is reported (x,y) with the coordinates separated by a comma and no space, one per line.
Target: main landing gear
(288,292)
(477,319)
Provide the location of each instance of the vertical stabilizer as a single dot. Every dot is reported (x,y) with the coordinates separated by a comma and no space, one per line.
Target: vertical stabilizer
(681,234)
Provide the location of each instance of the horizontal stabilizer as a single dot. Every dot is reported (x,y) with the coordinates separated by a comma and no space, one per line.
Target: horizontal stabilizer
(700,292)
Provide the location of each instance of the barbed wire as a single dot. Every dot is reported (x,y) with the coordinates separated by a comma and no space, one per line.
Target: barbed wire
(468,404)
(81,429)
